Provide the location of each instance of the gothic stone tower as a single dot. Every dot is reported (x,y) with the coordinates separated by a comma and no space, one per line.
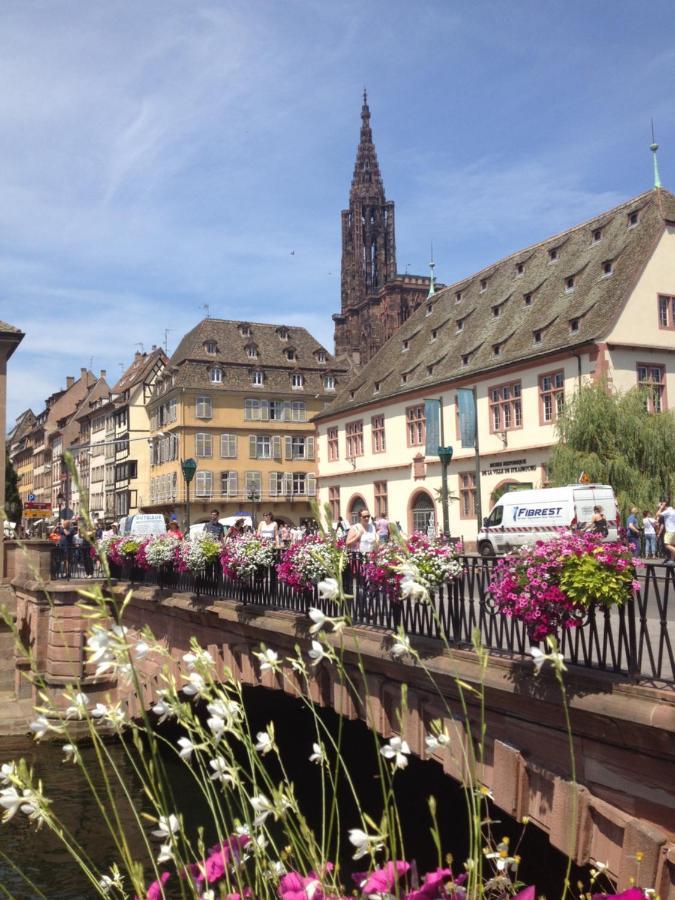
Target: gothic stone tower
(375,299)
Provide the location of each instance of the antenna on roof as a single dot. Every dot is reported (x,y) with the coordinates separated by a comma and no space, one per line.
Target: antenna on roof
(91,362)
(166,340)
(140,345)
(206,307)
(654,147)
(432,276)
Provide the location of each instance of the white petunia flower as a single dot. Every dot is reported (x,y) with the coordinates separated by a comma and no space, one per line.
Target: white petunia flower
(319,755)
(329,589)
(317,653)
(364,843)
(398,751)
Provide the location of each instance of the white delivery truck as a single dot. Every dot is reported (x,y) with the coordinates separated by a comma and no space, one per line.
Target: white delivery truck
(142,525)
(523,517)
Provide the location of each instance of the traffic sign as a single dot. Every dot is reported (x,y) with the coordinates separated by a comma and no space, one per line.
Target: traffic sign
(30,498)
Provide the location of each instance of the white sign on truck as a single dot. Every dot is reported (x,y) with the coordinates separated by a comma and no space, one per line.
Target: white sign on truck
(143,524)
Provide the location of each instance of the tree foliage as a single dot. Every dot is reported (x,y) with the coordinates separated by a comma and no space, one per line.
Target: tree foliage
(13,505)
(613,438)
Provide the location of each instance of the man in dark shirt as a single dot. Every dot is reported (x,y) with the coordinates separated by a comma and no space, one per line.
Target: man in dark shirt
(214,527)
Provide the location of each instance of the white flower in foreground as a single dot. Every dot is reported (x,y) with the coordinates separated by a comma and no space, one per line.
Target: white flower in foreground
(165,854)
(114,880)
(412,589)
(318,617)
(10,800)
(225,709)
(195,686)
(141,649)
(298,665)
(329,589)
(317,653)
(434,741)
(398,751)
(221,771)
(262,807)
(78,708)
(167,827)
(556,659)
(162,709)
(269,660)
(187,748)
(401,646)
(71,753)
(265,742)
(319,755)
(39,727)
(7,771)
(27,801)
(364,843)
(208,895)
(198,658)
(112,714)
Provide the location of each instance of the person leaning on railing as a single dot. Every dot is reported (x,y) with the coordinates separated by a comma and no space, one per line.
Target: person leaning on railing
(362,536)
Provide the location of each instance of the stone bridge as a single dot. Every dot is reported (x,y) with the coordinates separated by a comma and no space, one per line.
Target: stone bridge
(624,733)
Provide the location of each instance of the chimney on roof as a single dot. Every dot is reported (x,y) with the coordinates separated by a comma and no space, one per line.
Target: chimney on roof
(70,381)
(103,373)
(138,354)
(154,347)
(83,372)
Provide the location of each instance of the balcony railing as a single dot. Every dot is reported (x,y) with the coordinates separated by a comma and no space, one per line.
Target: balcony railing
(635,641)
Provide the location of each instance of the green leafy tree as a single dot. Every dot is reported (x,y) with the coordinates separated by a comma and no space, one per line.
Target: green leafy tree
(13,505)
(613,438)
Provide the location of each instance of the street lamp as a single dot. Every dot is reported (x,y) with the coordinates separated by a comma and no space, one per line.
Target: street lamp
(445,455)
(189,467)
(253,496)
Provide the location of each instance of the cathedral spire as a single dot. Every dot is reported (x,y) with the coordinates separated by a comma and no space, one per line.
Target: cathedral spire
(654,148)
(367,178)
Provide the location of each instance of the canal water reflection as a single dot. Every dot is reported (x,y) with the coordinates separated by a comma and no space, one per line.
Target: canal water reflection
(45,861)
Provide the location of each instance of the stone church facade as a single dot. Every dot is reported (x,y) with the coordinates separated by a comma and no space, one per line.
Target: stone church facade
(376,299)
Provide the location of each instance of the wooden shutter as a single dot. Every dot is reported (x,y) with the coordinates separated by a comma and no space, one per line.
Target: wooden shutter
(232,483)
(288,452)
(288,482)
(264,410)
(273,484)
(287,411)
(252,447)
(276,447)
(310,481)
(309,448)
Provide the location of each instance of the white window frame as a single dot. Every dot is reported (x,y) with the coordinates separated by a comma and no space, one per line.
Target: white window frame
(297,381)
(228,446)
(203,445)
(216,375)
(203,483)
(203,408)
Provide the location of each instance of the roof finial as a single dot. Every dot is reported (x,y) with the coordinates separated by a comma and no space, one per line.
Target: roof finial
(654,147)
(432,276)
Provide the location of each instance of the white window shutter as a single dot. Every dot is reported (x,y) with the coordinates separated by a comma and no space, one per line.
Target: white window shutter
(273,484)
(252,446)
(309,448)
(311,485)
(276,446)
(287,411)
(233,445)
(288,482)
(233,483)
(288,452)
(264,410)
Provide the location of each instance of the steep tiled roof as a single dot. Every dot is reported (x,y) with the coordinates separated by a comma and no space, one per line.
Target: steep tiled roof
(97,396)
(520,307)
(238,348)
(140,368)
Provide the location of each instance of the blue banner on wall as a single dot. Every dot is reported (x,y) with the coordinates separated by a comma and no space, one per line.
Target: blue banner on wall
(466,404)
(432,417)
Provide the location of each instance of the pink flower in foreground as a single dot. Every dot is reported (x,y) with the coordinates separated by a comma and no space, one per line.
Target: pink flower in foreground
(433,885)
(633,893)
(294,886)
(219,856)
(381,881)
(156,889)
(528,893)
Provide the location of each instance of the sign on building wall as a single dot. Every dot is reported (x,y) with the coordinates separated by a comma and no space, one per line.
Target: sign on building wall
(432,418)
(466,405)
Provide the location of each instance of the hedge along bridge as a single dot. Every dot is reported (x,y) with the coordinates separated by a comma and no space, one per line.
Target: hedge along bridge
(623,718)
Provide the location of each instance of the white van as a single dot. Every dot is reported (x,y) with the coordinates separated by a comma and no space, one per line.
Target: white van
(523,517)
(145,524)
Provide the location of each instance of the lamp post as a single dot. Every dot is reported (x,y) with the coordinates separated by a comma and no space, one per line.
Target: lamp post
(188,467)
(445,455)
(253,496)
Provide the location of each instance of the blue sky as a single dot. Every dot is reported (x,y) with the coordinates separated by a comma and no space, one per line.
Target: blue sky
(163,155)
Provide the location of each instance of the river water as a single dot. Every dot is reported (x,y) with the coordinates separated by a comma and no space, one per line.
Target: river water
(41,856)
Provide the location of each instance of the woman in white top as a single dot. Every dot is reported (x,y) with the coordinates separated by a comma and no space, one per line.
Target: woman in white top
(363,535)
(268,529)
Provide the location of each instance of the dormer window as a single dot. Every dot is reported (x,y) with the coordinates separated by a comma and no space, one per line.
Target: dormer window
(210,346)
(329,382)
(297,381)
(321,356)
(434,334)
(458,296)
(460,324)
(520,269)
(633,219)
(597,235)
(352,394)
(252,351)
(569,284)
(404,378)
(497,349)
(537,335)
(290,354)
(283,334)
(215,375)
(574,325)
(483,285)
(430,370)
(527,299)
(376,387)
(465,359)
(430,309)
(607,268)
(245,330)
(553,255)
(497,310)
(257,378)
(405,345)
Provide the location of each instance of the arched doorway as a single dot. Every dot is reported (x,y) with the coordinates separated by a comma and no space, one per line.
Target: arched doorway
(422,512)
(356,504)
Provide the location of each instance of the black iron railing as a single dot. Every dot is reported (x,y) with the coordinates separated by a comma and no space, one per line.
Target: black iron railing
(636,639)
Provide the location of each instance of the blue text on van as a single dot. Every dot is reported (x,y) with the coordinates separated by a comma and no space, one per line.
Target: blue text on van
(522,511)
